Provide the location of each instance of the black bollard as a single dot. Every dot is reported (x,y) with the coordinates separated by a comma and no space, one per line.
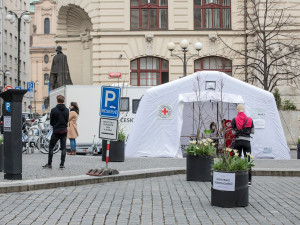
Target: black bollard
(12,128)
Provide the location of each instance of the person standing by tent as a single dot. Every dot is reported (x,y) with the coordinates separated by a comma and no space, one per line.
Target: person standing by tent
(242,127)
(72,126)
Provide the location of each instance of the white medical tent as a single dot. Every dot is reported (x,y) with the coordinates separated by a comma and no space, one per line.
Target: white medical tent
(165,115)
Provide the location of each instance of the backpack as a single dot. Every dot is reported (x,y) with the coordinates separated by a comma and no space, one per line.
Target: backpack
(245,131)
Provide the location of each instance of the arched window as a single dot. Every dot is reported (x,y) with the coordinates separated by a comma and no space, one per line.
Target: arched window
(149,14)
(46,78)
(47,26)
(46,59)
(149,71)
(214,63)
(212,14)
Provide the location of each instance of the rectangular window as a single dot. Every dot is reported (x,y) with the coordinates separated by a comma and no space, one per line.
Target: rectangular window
(212,14)
(149,14)
(135,105)
(124,104)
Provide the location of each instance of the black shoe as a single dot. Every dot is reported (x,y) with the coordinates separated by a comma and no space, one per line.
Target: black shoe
(61,167)
(249,184)
(47,166)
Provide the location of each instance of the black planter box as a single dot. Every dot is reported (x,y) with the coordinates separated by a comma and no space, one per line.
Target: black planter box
(229,199)
(116,151)
(298,151)
(198,168)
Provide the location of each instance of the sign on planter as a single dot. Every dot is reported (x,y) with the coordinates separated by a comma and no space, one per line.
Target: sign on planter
(224,181)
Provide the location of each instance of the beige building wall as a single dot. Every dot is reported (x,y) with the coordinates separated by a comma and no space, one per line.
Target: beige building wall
(99,30)
(41,45)
(10,46)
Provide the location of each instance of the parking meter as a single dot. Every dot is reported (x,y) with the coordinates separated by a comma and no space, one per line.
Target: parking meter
(12,132)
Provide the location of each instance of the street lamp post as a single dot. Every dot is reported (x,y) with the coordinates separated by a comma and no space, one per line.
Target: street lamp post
(11,17)
(184,44)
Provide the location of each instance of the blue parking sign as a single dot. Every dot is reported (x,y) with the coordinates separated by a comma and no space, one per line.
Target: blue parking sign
(30,86)
(110,102)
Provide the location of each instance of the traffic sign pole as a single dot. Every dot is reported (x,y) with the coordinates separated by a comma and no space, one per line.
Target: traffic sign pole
(107,153)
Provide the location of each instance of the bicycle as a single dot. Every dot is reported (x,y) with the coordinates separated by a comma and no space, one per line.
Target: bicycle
(40,139)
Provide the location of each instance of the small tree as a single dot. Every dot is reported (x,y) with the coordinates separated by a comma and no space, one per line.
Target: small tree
(271,51)
(277,98)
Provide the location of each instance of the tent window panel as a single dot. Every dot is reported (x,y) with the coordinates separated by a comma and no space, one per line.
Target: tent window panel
(124,104)
(135,105)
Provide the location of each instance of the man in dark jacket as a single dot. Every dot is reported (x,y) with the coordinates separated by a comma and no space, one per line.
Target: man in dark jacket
(59,117)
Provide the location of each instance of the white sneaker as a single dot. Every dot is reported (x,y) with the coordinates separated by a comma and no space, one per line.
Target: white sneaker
(249,184)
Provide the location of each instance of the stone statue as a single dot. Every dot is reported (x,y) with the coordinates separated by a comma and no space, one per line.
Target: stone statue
(59,75)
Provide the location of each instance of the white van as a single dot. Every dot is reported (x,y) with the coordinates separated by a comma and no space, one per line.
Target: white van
(88,100)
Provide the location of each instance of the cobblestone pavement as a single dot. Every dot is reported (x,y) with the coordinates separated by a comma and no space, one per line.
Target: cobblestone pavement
(160,200)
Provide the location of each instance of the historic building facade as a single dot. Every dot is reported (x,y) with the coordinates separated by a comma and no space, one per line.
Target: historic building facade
(42,50)
(9,46)
(126,40)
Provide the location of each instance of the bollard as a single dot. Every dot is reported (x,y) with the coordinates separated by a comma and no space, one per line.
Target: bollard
(12,128)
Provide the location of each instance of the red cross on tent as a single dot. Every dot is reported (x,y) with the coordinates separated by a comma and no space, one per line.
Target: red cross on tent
(165,111)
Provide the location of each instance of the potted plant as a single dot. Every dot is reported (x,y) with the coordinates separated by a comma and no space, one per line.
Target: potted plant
(1,154)
(230,179)
(116,150)
(199,160)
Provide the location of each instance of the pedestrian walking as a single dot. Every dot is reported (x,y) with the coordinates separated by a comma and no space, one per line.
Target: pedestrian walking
(242,127)
(72,126)
(59,116)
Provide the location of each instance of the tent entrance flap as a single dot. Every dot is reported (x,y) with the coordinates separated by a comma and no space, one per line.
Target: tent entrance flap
(202,109)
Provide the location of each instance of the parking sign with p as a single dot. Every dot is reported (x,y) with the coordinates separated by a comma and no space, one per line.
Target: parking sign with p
(110,102)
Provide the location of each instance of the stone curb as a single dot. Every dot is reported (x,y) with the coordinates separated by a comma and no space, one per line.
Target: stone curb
(48,183)
(32,185)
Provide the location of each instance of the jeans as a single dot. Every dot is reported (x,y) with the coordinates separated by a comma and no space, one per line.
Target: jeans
(73,144)
(63,140)
(243,145)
